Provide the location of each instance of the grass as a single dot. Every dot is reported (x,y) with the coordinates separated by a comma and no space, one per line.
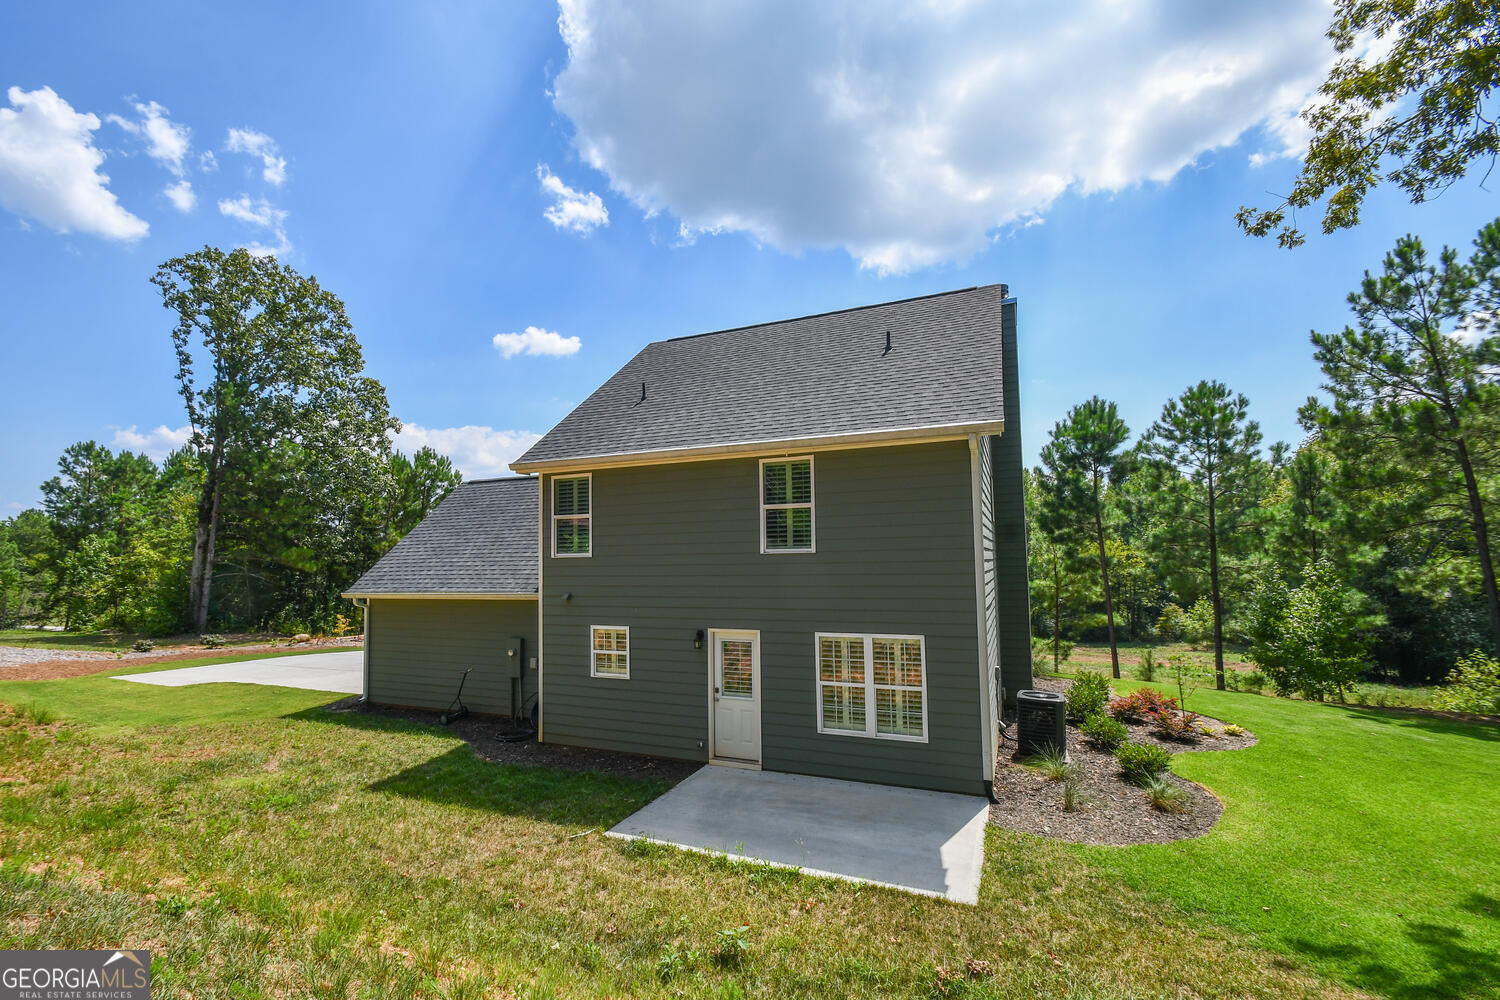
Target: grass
(108,640)
(264,846)
(1360,841)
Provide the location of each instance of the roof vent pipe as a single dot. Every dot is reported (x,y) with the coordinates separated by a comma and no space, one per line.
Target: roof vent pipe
(887,344)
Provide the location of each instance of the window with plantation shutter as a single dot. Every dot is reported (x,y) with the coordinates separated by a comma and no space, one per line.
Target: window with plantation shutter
(786,505)
(872,685)
(571,521)
(609,651)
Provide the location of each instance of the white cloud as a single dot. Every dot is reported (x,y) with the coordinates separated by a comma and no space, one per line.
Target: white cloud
(478,452)
(253,143)
(49,168)
(166,141)
(207,161)
(910,134)
(155,444)
(535,340)
(181,195)
(15,505)
(582,212)
(259,212)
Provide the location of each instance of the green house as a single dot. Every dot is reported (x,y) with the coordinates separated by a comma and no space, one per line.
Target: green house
(796,546)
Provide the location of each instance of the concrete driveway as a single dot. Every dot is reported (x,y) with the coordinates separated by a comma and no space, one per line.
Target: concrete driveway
(930,843)
(342,672)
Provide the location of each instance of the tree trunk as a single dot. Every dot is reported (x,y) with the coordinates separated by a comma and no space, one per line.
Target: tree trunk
(1109,604)
(1213,588)
(204,537)
(1482,542)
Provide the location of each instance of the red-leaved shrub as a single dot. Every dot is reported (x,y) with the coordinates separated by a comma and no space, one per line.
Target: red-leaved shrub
(1144,703)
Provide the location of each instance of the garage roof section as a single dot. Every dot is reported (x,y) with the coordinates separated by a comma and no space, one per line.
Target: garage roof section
(480,542)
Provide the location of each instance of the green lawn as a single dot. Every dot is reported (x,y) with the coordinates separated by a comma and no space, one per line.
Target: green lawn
(1361,841)
(262,845)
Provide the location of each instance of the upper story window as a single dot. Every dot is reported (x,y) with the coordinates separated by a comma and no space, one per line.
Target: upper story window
(571,522)
(786,505)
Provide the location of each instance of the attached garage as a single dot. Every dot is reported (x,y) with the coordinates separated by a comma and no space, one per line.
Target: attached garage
(459,592)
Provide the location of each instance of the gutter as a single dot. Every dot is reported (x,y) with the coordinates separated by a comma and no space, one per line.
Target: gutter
(772,446)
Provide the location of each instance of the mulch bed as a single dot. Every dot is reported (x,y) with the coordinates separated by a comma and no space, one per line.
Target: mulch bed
(486,735)
(51,670)
(1116,813)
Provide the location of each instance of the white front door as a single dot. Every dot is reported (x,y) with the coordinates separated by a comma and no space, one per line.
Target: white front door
(736,694)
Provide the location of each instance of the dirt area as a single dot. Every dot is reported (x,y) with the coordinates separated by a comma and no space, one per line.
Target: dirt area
(35,664)
(1115,811)
(487,735)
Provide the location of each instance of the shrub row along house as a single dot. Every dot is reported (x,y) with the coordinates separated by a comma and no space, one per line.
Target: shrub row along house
(798,546)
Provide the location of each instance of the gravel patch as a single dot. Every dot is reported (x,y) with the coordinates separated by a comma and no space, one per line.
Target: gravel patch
(488,736)
(1115,812)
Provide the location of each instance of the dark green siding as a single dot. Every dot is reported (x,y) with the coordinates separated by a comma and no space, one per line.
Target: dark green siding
(677,548)
(1012,591)
(418,649)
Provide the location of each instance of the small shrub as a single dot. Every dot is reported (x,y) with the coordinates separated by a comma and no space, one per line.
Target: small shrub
(1474,686)
(1234,730)
(1165,796)
(1145,703)
(1053,765)
(1088,695)
(1104,732)
(1140,762)
(733,943)
(1252,681)
(1074,797)
(1175,725)
(1146,670)
(143,645)
(1198,622)
(1042,658)
(341,625)
(1209,731)
(212,641)
(1172,625)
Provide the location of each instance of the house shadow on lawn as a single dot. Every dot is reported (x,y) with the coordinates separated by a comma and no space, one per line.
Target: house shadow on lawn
(1428,722)
(552,795)
(1463,970)
(555,784)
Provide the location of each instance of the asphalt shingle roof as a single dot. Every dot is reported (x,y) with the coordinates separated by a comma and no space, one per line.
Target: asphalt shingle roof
(482,539)
(818,376)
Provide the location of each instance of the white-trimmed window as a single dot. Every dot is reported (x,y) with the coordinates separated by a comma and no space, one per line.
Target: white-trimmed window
(609,651)
(786,504)
(572,504)
(872,685)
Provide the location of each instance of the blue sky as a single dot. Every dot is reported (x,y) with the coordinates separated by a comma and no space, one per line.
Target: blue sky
(460,172)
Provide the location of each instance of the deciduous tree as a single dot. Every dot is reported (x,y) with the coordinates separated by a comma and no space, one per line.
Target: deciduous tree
(1416,114)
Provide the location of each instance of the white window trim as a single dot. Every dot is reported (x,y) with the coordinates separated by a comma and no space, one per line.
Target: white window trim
(552,504)
(869,685)
(594,658)
(811,505)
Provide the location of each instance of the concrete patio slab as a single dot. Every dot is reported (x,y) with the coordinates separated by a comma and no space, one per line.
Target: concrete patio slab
(343,672)
(930,843)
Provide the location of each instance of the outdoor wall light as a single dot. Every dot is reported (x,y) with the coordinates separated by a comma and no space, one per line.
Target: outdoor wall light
(567,596)
(698,639)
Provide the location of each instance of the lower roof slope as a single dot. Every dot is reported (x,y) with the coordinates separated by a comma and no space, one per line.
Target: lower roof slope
(481,540)
(912,365)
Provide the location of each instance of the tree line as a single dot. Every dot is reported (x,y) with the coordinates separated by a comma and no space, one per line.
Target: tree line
(1367,549)
(287,489)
